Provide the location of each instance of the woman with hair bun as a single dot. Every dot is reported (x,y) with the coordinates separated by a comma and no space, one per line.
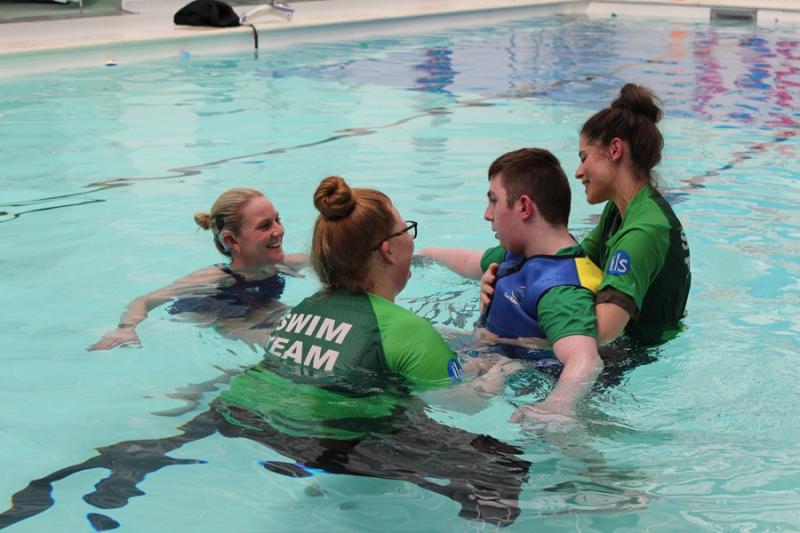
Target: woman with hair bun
(639,242)
(361,250)
(246,228)
(334,386)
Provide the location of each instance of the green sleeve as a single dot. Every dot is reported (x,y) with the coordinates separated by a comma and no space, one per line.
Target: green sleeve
(492,255)
(412,347)
(592,245)
(566,310)
(634,262)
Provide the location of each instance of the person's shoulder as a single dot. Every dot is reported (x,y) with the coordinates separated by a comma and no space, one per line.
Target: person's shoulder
(335,300)
(402,327)
(398,317)
(649,211)
(576,250)
(495,254)
(208,274)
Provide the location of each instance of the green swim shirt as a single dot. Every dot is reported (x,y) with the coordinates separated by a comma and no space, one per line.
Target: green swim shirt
(338,359)
(644,255)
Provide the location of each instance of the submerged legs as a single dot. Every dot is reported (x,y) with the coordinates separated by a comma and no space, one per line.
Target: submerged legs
(128,462)
(483,474)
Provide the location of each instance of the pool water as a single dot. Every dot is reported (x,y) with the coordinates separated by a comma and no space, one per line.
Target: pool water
(102,170)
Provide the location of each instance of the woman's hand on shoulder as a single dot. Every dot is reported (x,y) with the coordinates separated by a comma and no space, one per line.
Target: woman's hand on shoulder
(487,286)
(122,336)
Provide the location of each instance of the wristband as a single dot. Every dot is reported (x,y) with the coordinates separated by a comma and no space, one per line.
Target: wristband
(125,325)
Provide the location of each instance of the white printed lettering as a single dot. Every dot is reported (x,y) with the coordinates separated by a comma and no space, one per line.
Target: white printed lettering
(328,358)
(312,325)
(295,352)
(283,322)
(335,334)
(297,323)
(278,343)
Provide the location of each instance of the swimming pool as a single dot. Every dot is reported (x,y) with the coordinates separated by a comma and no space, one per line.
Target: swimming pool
(102,170)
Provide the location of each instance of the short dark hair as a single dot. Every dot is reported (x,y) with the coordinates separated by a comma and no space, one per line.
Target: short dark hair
(535,172)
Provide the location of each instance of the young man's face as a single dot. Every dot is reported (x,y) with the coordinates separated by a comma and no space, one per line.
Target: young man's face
(506,222)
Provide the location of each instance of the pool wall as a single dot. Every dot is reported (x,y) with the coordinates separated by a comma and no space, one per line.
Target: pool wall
(44,46)
(764,13)
(184,43)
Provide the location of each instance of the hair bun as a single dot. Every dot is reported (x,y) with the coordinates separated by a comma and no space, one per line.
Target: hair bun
(333,198)
(639,100)
(203,220)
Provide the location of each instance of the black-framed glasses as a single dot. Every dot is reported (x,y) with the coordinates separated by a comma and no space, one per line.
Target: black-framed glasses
(411,229)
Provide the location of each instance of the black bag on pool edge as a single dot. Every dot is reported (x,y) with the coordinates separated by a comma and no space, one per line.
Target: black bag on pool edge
(207,13)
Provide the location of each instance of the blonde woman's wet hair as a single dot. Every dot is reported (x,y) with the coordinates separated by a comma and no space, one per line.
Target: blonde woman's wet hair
(350,222)
(226,214)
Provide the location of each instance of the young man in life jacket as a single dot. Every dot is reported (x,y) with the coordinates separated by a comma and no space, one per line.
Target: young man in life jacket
(545,284)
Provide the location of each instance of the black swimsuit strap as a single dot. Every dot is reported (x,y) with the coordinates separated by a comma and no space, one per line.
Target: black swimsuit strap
(238,278)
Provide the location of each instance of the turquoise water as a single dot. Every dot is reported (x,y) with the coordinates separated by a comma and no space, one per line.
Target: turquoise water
(102,170)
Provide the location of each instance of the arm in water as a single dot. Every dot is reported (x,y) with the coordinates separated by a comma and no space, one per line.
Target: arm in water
(138,308)
(462,261)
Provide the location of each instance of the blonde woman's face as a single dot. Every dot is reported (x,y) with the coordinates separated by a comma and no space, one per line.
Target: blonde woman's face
(260,238)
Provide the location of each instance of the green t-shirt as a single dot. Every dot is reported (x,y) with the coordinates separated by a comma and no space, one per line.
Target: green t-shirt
(563,310)
(338,358)
(644,255)
(495,254)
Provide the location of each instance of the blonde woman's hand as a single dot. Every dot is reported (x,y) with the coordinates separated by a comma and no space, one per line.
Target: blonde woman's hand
(122,336)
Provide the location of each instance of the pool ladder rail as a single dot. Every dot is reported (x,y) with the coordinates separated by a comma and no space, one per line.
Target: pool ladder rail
(270,8)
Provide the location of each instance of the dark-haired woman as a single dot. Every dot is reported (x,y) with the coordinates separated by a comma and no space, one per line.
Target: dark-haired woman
(247,229)
(639,242)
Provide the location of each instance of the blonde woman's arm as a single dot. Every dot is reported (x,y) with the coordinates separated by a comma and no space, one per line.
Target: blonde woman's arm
(138,309)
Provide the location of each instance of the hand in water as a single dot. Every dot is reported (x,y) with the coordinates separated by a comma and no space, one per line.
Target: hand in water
(544,415)
(492,374)
(119,337)
(485,336)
